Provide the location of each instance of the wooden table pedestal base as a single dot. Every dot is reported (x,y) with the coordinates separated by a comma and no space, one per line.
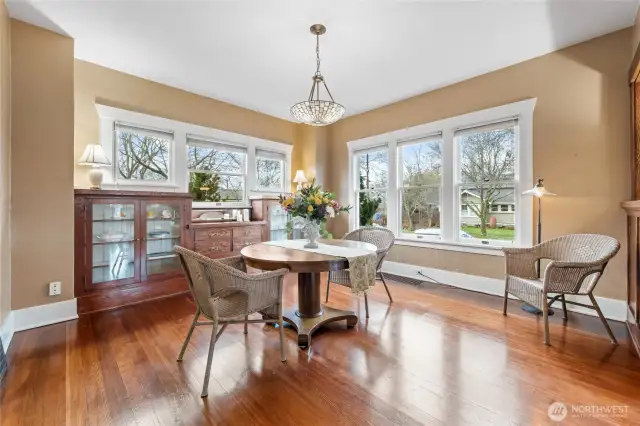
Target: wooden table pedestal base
(307,326)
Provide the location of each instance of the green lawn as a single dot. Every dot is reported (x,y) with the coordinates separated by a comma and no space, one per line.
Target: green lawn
(492,234)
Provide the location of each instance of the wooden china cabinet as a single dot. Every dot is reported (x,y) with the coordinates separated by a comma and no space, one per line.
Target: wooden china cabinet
(123,246)
(632,207)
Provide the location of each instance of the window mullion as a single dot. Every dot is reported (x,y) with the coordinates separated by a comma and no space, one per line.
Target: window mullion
(251,181)
(449,217)
(393,202)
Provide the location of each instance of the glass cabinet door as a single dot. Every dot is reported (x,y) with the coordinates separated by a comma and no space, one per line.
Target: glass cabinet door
(162,229)
(278,219)
(113,242)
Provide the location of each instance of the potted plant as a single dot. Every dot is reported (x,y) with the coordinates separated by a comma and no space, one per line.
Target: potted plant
(310,208)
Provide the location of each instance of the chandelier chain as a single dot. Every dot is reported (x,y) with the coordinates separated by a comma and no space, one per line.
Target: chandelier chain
(317,54)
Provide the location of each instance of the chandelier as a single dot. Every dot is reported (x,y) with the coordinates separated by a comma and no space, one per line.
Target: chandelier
(317,112)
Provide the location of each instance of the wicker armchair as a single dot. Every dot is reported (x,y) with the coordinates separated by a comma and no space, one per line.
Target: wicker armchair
(380,237)
(225,294)
(577,263)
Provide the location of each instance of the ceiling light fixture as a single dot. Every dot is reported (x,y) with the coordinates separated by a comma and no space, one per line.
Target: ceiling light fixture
(316,112)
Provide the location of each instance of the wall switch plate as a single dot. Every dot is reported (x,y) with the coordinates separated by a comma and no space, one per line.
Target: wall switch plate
(55,288)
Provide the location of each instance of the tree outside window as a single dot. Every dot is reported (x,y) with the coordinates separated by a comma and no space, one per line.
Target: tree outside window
(142,156)
(216,174)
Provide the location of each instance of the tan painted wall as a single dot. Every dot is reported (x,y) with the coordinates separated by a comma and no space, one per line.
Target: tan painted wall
(310,152)
(5,164)
(581,144)
(96,84)
(42,164)
(635,38)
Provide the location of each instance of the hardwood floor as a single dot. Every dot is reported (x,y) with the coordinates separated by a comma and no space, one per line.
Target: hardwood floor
(436,356)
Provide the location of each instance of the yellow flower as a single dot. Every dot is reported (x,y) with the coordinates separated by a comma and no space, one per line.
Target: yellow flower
(325,200)
(318,201)
(310,198)
(310,209)
(287,202)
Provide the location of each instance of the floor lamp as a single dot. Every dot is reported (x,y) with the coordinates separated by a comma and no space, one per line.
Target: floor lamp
(537,191)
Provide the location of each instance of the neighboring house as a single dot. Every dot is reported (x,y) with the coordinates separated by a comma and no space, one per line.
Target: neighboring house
(503,207)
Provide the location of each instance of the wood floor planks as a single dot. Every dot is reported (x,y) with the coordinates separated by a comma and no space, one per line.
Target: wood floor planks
(436,356)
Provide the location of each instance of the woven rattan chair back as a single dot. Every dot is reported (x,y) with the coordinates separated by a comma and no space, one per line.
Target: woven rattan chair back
(380,237)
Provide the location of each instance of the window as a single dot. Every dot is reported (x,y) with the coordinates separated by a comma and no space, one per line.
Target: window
(454,184)
(270,170)
(486,165)
(217,172)
(142,154)
(151,153)
(372,174)
(420,162)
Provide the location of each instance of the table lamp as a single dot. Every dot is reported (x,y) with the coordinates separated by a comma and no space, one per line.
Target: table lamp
(94,156)
(300,179)
(537,191)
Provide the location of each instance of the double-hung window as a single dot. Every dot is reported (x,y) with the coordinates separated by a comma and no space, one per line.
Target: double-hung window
(372,174)
(217,171)
(454,184)
(142,154)
(486,181)
(420,168)
(270,170)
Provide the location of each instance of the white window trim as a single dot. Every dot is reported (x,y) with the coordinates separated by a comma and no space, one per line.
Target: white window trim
(450,209)
(179,174)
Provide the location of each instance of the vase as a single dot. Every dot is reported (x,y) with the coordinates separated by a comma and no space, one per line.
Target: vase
(311,230)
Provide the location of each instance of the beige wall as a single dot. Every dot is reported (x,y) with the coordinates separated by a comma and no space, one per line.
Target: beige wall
(96,84)
(42,164)
(5,164)
(581,144)
(635,38)
(310,152)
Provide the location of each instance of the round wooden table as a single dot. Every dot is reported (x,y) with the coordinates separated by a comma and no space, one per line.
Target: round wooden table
(310,314)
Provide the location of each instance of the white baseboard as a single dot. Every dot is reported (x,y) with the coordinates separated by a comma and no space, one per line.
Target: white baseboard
(38,316)
(6,331)
(611,308)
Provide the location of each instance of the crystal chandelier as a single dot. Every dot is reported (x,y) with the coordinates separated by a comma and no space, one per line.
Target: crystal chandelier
(317,112)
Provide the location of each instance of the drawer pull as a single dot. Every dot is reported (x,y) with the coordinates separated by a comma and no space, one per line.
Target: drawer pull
(219,248)
(219,234)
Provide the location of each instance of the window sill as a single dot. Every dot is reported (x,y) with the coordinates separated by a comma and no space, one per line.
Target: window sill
(448,246)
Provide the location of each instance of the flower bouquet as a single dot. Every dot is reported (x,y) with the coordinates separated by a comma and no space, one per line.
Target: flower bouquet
(310,208)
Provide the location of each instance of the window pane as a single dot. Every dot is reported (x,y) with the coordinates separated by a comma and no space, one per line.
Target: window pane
(231,188)
(372,208)
(481,219)
(215,160)
(213,187)
(421,164)
(142,156)
(373,167)
(488,156)
(421,212)
(269,173)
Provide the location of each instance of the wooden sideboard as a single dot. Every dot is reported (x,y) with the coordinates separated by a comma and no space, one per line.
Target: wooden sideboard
(224,239)
(123,246)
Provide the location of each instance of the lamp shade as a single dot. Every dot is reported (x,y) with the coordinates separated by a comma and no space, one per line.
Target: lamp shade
(94,156)
(538,190)
(300,177)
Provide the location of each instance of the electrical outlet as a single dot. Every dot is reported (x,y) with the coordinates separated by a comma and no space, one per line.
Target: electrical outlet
(55,288)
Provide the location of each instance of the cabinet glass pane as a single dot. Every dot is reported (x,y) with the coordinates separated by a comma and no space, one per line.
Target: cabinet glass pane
(162,233)
(112,238)
(278,219)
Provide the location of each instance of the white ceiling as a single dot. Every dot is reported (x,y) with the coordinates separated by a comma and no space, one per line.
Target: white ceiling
(260,55)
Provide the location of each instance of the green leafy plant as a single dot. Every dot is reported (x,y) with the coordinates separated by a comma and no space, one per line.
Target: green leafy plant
(368,205)
(204,186)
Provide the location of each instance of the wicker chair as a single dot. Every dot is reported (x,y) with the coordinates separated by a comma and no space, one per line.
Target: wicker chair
(225,294)
(577,263)
(383,239)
